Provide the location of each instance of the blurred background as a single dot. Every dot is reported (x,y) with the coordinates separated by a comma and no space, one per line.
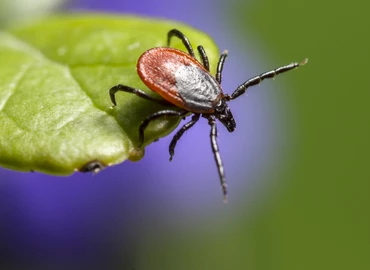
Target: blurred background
(297,165)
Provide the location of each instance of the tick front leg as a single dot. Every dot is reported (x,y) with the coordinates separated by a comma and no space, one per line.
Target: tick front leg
(153,116)
(220,66)
(267,75)
(179,133)
(138,92)
(217,156)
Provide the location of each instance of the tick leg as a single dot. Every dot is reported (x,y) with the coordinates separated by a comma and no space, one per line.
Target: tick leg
(138,92)
(220,66)
(184,39)
(267,75)
(179,133)
(216,153)
(204,57)
(94,166)
(156,115)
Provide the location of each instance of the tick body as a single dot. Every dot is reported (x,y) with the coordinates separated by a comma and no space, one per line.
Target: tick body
(187,85)
(179,79)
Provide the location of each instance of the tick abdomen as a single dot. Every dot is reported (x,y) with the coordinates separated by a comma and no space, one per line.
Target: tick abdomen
(179,79)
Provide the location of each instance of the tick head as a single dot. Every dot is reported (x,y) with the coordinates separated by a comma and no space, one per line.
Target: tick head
(223,113)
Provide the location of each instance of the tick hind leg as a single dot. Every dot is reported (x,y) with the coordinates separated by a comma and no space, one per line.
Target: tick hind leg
(179,133)
(267,75)
(217,156)
(156,115)
(138,92)
(184,39)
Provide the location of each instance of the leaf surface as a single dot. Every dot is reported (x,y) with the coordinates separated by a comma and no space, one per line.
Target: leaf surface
(55,74)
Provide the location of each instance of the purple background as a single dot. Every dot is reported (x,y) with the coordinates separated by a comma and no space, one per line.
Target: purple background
(83,219)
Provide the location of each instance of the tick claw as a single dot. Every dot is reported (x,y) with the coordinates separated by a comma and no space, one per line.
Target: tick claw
(94,166)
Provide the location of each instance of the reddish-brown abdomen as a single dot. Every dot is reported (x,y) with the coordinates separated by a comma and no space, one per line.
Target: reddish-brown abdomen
(158,68)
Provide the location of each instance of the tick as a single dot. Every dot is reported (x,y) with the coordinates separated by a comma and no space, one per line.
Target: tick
(186,84)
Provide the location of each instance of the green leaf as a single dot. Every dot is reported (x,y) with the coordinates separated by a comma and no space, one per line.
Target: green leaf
(55,75)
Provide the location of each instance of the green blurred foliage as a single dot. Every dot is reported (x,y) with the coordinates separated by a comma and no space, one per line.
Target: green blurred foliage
(318,219)
(15,10)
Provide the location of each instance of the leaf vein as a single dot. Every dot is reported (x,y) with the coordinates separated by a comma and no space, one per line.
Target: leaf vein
(13,85)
